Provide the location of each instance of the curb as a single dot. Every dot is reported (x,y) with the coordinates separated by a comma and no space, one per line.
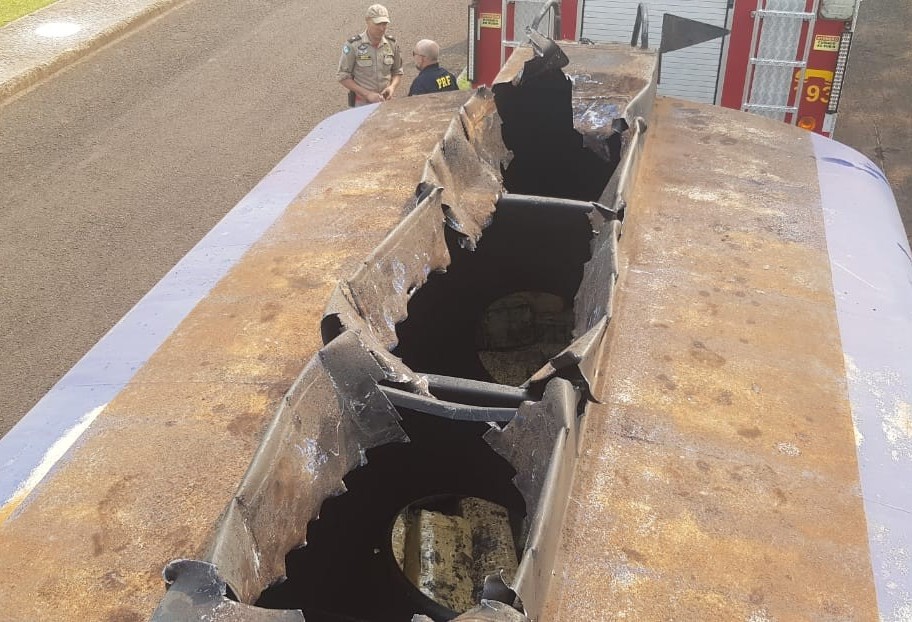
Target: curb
(45,68)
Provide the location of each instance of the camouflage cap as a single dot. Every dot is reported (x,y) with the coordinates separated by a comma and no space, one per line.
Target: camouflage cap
(378,14)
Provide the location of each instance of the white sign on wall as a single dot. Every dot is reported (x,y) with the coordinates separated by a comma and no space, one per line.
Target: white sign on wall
(837,9)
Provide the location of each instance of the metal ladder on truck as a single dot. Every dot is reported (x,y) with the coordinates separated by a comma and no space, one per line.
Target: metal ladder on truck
(773,51)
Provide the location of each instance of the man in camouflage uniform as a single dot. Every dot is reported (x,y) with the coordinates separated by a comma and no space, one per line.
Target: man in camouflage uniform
(371,65)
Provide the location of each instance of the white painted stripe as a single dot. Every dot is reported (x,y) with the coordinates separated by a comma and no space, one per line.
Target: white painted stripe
(872,282)
(55,453)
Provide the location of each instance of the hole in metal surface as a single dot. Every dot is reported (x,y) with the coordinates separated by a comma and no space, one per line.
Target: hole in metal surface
(446,545)
(519,332)
(529,263)
(348,570)
(497,315)
(550,157)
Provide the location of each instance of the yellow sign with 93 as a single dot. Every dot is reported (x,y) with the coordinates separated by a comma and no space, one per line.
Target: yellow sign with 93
(817,85)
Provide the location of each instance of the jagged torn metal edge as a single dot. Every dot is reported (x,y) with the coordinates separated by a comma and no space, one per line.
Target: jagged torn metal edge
(541,444)
(197,592)
(593,304)
(331,416)
(487,611)
(461,183)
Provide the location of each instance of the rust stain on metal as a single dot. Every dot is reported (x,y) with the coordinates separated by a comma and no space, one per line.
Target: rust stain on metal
(148,482)
(331,416)
(709,478)
(706,475)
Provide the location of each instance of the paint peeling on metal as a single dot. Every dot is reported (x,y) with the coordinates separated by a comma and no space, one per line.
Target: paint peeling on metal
(897,427)
(760,615)
(788,449)
(883,386)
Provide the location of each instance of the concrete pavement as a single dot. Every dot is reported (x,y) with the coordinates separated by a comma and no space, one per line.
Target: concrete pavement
(37,45)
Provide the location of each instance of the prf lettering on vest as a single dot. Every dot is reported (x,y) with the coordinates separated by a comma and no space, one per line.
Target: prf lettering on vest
(443,82)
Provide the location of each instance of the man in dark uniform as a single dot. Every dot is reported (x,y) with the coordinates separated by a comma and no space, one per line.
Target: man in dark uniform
(371,65)
(432,78)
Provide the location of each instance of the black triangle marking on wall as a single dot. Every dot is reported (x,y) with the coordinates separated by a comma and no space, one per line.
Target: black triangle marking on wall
(680,32)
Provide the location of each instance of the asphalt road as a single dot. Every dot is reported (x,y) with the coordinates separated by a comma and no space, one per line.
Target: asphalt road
(875,115)
(113,169)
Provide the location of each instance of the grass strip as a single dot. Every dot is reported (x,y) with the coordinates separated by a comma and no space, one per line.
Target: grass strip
(14,9)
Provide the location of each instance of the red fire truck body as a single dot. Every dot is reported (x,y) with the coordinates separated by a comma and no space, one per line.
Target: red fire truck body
(767,58)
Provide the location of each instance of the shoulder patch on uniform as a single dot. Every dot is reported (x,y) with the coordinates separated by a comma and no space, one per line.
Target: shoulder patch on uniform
(346,49)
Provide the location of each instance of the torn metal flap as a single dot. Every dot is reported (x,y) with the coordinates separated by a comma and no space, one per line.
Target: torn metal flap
(541,444)
(398,372)
(342,314)
(461,182)
(548,57)
(452,199)
(481,125)
(495,588)
(470,185)
(330,417)
(491,611)
(618,190)
(353,370)
(526,442)
(533,577)
(196,592)
(579,361)
(297,465)
(380,289)
(594,297)
(365,410)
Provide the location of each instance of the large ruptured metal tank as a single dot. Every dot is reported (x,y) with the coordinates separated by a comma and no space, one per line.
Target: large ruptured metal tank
(557,350)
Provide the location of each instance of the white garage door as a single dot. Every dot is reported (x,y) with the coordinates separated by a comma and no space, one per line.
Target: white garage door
(690,73)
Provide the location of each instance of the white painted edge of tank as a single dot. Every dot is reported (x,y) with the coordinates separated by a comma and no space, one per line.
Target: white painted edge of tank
(872,281)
